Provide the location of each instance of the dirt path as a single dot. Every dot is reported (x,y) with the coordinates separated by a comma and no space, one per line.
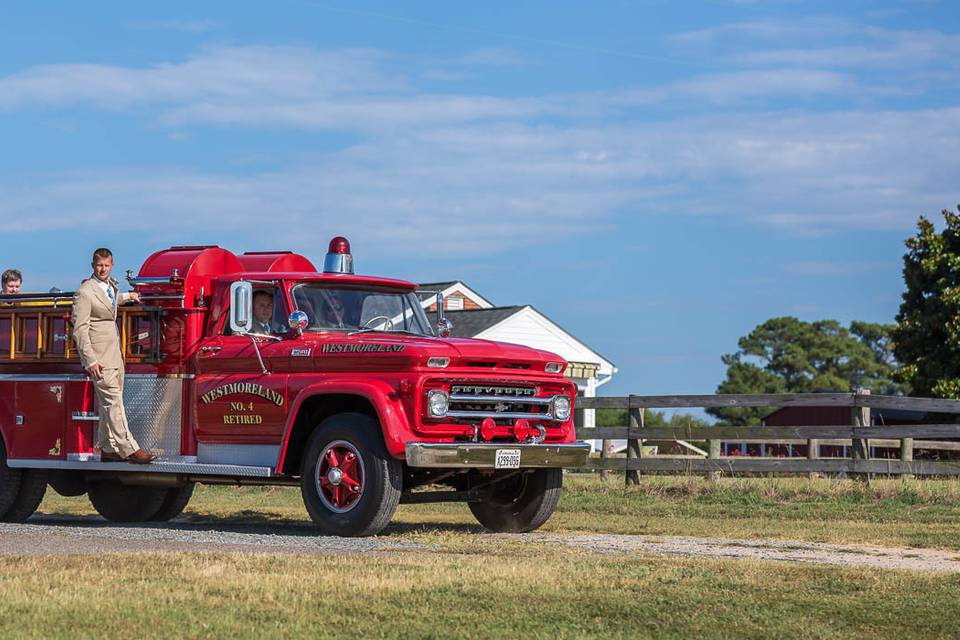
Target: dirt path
(931,560)
(92,535)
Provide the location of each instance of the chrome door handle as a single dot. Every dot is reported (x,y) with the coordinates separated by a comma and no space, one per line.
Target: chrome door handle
(211,348)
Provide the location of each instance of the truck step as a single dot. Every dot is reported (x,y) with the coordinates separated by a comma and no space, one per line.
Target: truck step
(186,465)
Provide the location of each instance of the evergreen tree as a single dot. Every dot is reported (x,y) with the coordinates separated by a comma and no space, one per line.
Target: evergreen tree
(927,336)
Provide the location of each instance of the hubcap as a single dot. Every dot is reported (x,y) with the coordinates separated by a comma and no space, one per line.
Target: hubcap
(340,476)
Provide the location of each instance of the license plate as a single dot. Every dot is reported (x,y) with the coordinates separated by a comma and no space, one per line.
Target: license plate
(507,459)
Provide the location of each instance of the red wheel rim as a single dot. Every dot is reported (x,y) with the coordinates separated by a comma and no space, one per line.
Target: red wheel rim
(340,476)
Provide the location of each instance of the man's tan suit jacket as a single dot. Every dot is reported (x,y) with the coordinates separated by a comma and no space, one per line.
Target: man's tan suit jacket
(95,325)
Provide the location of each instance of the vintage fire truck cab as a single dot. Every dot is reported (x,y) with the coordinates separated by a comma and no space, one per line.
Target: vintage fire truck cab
(258,369)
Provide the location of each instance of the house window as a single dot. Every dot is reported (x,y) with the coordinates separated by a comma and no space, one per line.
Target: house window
(455,304)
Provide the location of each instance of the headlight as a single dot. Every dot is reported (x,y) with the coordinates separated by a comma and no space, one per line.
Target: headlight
(554,367)
(560,408)
(438,363)
(438,402)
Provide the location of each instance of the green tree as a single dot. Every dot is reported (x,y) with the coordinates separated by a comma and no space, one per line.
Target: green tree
(651,418)
(787,355)
(927,336)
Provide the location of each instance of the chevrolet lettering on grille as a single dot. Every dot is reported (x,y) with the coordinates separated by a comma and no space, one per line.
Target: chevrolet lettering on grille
(481,390)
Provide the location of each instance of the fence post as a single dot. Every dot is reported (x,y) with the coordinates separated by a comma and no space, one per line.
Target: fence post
(606,452)
(906,456)
(634,445)
(713,453)
(860,447)
(813,452)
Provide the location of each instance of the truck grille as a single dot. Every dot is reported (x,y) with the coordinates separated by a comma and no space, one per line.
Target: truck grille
(478,401)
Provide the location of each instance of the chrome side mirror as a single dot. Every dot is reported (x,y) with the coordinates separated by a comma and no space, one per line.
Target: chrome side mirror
(241,306)
(298,321)
(443,325)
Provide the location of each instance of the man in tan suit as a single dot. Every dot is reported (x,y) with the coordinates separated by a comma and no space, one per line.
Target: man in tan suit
(98,343)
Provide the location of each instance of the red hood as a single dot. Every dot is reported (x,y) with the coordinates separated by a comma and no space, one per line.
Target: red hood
(461,351)
(472,349)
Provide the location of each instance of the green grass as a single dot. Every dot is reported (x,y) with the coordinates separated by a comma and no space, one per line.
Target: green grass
(459,585)
(510,593)
(887,513)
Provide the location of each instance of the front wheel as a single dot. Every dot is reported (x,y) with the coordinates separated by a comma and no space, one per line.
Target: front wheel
(520,503)
(350,484)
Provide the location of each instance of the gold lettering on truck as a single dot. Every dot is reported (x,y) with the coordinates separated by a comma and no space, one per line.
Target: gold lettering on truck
(251,388)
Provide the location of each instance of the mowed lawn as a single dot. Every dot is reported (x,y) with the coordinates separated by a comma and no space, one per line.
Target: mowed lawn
(920,513)
(456,587)
(505,593)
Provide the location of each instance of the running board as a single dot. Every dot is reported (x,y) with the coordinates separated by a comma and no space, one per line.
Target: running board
(165,465)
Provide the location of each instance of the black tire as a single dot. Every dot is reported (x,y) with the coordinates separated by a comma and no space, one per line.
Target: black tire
(69,484)
(174,504)
(33,486)
(121,503)
(367,511)
(520,503)
(9,482)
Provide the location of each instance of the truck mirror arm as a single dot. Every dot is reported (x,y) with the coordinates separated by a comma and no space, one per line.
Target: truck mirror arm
(255,339)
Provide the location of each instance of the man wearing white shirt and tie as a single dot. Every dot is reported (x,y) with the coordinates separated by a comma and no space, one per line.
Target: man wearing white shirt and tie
(98,343)
(263,313)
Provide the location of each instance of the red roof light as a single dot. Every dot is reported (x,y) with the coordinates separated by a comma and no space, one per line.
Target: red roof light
(339,245)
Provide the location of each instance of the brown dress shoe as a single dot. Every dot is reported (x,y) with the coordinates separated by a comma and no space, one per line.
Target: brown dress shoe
(140,457)
(110,456)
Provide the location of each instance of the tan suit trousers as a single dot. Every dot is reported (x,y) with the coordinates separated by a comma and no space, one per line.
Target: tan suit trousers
(115,436)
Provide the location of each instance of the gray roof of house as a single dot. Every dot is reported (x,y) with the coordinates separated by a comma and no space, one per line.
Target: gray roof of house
(429,289)
(467,324)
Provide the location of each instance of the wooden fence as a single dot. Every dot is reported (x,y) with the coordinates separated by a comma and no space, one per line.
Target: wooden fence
(858,435)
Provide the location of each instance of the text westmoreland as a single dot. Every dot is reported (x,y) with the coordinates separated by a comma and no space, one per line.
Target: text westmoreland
(367,347)
(242,387)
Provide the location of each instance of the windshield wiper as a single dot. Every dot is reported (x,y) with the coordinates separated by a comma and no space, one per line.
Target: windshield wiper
(372,330)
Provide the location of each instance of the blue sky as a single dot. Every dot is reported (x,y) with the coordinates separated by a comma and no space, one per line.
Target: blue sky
(657,177)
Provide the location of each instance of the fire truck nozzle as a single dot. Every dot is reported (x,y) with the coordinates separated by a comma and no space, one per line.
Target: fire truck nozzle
(339,258)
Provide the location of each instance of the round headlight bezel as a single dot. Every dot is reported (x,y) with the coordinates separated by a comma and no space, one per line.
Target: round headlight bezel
(437,398)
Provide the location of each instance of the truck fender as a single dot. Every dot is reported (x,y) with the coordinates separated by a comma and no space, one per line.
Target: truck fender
(382,396)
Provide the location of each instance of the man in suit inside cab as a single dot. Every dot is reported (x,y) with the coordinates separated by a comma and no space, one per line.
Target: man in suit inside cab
(98,343)
(263,313)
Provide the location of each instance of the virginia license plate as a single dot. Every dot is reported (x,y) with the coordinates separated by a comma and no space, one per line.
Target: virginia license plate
(507,459)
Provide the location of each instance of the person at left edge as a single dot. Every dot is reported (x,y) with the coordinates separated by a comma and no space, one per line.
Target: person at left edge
(12,279)
(98,343)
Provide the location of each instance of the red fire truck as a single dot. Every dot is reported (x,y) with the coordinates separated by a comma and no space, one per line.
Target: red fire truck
(257,369)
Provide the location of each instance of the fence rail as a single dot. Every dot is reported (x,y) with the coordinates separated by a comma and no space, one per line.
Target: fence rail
(859,435)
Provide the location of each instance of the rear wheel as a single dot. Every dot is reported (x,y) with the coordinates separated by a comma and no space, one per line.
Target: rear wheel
(69,484)
(520,503)
(350,484)
(9,482)
(33,486)
(174,504)
(122,503)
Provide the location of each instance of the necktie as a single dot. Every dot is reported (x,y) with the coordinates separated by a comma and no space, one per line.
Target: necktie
(112,296)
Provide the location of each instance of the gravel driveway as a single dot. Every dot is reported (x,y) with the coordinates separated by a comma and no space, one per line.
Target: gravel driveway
(91,534)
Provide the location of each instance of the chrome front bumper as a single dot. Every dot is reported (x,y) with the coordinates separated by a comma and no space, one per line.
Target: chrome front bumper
(469,455)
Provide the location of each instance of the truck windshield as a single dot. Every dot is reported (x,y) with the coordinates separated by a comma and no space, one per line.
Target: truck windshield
(343,309)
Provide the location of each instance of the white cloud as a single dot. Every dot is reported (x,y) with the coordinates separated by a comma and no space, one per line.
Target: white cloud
(494,186)
(824,42)
(491,172)
(248,75)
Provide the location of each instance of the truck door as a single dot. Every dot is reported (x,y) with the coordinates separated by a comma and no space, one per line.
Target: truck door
(240,410)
